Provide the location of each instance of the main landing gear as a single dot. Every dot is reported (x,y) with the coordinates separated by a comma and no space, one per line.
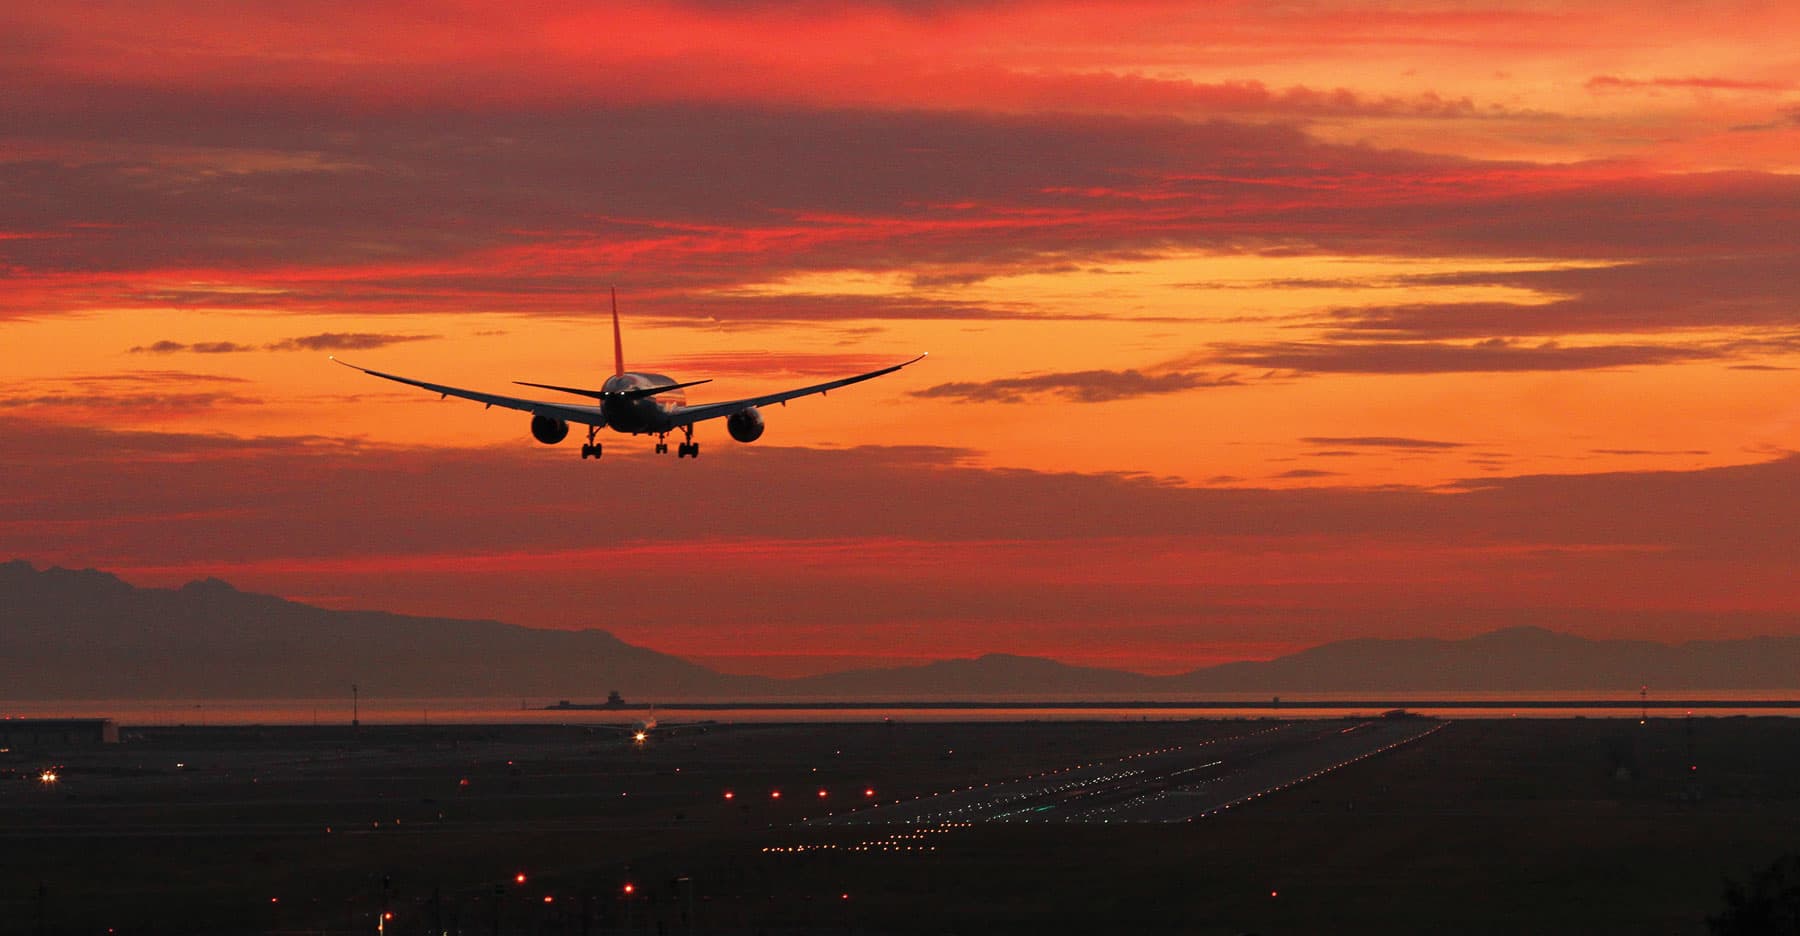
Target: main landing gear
(688,449)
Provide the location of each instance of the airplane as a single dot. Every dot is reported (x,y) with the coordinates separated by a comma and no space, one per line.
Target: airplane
(648,729)
(636,403)
(639,731)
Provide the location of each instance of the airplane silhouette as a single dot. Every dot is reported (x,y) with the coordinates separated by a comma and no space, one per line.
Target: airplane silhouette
(635,403)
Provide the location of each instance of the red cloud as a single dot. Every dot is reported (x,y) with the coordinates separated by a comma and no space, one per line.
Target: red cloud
(847,550)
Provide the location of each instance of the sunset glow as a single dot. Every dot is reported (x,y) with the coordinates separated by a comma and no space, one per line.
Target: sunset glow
(1251,326)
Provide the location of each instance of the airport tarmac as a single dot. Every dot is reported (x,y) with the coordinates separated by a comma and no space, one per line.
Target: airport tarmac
(1107,826)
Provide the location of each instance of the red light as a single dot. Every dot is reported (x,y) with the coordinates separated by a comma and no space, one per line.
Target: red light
(869,792)
(630,889)
(822,794)
(274,900)
(519,878)
(388,915)
(730,795)
(1273,893)
(549,899)
(774,794)
(843,896)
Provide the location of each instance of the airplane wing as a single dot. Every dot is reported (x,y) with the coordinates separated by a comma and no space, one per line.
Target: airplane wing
(693,414)
(584,415)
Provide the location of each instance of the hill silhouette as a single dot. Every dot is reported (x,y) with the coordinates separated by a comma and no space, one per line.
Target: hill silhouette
(68,634)
(87,634)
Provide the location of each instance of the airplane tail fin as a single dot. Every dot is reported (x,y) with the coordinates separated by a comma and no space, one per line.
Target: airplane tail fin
(618,345)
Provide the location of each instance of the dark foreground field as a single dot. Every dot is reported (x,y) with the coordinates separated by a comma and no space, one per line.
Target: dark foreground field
(1503,826)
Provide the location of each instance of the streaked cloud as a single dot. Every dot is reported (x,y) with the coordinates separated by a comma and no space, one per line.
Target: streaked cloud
(199,347)
(1698,83)
(1494,355)
(325,341)
(1094,386)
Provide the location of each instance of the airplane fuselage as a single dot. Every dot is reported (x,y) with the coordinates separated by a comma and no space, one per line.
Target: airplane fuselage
(645,414)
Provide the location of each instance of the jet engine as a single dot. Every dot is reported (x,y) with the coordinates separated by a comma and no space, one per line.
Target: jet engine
(745,425)
(548,429)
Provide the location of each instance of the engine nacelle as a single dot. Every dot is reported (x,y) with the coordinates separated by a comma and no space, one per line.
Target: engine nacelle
(745,425)
(548,429)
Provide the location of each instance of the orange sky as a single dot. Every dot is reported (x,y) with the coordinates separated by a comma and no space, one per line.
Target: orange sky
(1252,325)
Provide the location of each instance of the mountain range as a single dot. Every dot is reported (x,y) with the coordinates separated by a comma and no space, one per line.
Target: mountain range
(75,634)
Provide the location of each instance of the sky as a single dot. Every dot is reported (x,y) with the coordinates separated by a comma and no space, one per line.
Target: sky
(1253,325)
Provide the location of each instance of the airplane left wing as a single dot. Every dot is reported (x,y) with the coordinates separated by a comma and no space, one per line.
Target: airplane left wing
(584,415)
(688,415)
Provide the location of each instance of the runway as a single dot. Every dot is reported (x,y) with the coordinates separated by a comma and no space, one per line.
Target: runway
(1174,784)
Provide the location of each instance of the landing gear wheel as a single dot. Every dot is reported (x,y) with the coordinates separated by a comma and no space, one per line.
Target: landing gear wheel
(662,448)
(591,450)
(687,450)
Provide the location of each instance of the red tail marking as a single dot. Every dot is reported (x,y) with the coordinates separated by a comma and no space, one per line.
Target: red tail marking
(618,346)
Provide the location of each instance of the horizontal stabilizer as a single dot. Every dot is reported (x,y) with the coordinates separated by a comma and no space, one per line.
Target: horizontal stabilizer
(637,394)
(596,394)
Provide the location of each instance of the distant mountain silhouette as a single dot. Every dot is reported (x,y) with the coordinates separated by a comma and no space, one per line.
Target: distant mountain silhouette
(1514,659)
(86,634)
(1517,658)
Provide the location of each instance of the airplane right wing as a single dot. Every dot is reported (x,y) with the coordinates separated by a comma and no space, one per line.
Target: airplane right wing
(688,415)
